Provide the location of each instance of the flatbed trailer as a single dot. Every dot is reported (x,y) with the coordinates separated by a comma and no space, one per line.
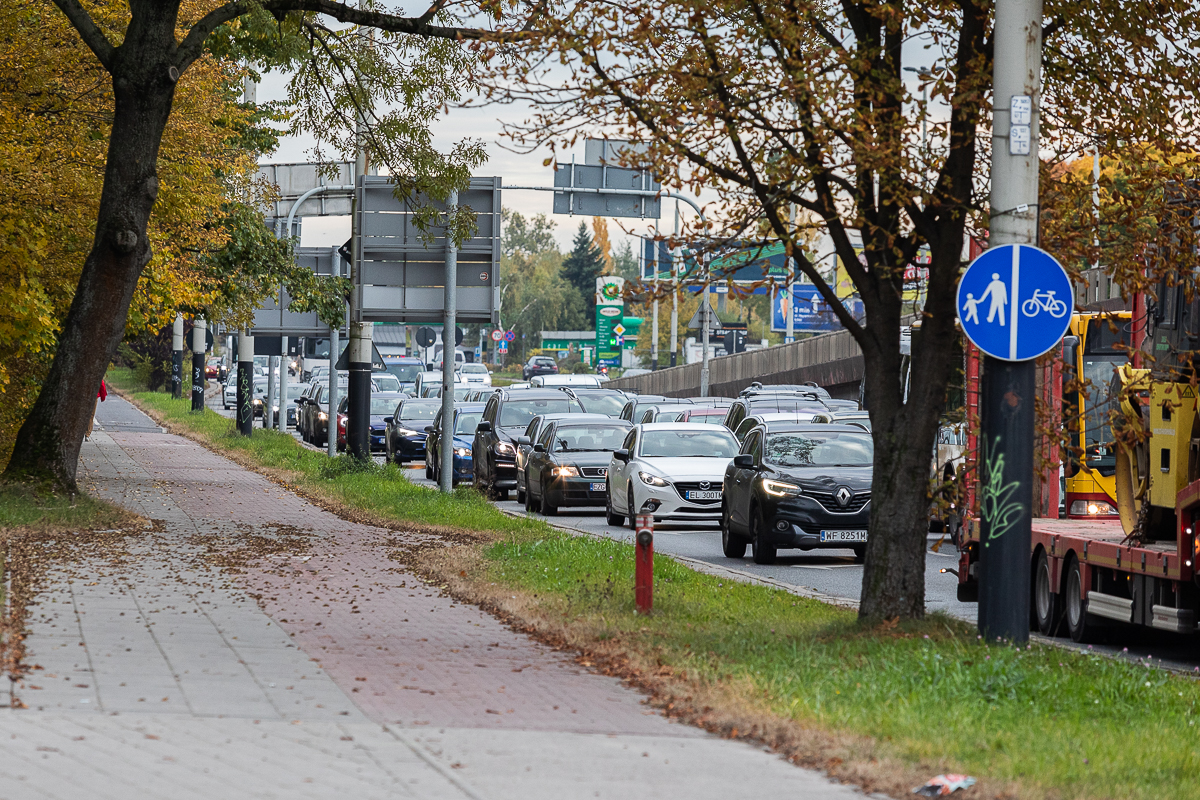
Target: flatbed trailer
(1087,576)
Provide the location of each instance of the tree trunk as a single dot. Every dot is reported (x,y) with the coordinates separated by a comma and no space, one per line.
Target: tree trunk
(47,446)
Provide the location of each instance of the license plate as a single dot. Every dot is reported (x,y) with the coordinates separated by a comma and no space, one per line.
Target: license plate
(843,536)
(599,487)
(713,495)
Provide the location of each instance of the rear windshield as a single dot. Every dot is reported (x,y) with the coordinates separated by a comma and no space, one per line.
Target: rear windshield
(588,438)
(609,404)
(518,413)
(825,450)
(405,372)
(689,444)
(383,406)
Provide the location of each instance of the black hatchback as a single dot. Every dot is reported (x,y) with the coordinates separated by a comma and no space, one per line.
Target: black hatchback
(798,486)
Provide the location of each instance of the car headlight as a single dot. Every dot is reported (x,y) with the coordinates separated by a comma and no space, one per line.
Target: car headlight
(653,480)
(505,449)
(780,488)
(406,432)
(565,472)
(322,416)
(462,452)
(257,402)
(1092,508)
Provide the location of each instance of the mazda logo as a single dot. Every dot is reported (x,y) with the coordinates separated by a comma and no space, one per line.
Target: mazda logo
(843,495)
(704,485)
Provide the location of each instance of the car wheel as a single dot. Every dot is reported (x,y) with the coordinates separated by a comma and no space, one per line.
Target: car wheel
(732,545)
(1082,628)
(616,520)
(548,509)
(631,510)
(1047,604)
(428,467)
(762,553)
(520,496)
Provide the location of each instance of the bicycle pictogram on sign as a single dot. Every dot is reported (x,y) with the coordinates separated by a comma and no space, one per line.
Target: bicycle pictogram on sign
(1044,301)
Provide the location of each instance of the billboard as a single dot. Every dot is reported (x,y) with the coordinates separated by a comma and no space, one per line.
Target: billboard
(810,312)
(610,313)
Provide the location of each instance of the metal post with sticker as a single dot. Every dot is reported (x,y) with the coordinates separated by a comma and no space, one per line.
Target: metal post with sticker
(643,574)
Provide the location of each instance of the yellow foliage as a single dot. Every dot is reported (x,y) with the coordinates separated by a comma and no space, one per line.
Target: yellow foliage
(55,118)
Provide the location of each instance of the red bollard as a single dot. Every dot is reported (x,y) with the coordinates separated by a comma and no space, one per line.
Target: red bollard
(643,575)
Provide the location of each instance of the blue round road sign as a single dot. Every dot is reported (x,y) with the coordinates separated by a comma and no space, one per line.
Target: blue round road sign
(509,336)
(1015,302)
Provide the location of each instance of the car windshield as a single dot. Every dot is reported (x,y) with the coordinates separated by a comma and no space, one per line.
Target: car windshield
(405,372)
(588,438)
(419,411)
(715,417)
(382,406)
(824,450)
(295,390)
(518,413)
(689,444)
(467,421)
(475,369)
(610,404)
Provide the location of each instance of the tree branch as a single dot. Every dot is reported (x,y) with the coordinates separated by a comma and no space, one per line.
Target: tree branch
(91,34)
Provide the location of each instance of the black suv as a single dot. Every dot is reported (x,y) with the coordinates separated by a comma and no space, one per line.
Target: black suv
(802,486)
(505,417)
(539,365)
(768,403)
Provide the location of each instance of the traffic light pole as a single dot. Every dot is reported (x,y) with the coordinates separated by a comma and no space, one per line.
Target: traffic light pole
(1007,391)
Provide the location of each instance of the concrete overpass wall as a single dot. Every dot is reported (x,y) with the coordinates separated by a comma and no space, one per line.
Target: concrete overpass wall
(831,360)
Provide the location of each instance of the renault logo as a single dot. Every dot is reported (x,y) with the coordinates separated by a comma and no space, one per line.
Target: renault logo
(843,495)
(704,485)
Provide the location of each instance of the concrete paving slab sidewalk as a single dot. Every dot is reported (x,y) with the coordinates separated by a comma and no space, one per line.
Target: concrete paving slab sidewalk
(326,668)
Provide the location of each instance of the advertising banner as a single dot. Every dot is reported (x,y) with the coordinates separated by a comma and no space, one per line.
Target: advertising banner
(610,312)
(810,312)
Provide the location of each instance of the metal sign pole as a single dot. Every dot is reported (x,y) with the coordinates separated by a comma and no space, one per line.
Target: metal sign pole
(199,344)
(449,322)
(177,357)
(245,384)
(1007,395)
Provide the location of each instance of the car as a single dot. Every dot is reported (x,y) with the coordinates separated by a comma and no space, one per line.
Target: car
(699,413)
(476,374)
(778,388)
(569,463)
(215,369)
(425,380)
(635,405)
(317,408)
(229,393)
(259,397)
(310,389)
(539,365)
(385,382)
(672,470)
(554,381)
(382,404)
(519,385)
(405,432)
(758,404)
(525,442)
(664,412)
(479,395)
(780,418)
(466,419)
(860,418)
(405,368)
(506,416)
(599,401)
(294,392)
(798,486)
(835,404)
(713,402)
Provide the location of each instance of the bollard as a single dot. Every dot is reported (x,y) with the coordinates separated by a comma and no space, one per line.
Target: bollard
(643,574)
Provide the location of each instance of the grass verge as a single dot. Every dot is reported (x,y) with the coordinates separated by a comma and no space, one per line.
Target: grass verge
(884,707)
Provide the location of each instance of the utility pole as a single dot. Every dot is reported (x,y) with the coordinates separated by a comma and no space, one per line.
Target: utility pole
(789,311)
(705,323)
(199,343)
(654,338)
(1008,392)
(449,325)
(675,292)
(177,357)
(281,424)
(245,384)
(358,391)
(334,352)
(270,400)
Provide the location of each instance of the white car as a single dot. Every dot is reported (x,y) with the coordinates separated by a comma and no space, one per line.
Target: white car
(553,381)
(675,469)
(476,374)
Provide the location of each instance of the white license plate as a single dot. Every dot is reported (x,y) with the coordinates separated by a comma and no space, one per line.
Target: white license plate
(599,487)
(843,536)
(714,495)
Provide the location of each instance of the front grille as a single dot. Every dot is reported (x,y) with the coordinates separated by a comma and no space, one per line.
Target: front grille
(594,472)
(698,486)
(827,501)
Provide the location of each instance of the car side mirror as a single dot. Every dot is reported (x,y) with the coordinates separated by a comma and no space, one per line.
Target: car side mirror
(522,440)
(539,448)
(429,429)
(744,461)
(621,455)
(389,420)
(483,427)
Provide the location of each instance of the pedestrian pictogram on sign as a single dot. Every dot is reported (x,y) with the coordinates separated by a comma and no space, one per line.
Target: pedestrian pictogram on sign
(1014,302)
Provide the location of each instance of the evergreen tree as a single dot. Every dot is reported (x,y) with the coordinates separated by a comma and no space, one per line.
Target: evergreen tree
(581,268)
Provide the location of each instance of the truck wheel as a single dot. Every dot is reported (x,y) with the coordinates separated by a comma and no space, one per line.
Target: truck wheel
(732,545)
(1081,627)
(1047,605)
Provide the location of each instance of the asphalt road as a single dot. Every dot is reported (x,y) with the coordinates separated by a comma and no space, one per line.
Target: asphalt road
(834,573)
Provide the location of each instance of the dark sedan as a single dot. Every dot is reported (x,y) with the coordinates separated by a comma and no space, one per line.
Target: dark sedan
(404,437)
(569,464)
(801,486)
(382,404)
(466,419)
